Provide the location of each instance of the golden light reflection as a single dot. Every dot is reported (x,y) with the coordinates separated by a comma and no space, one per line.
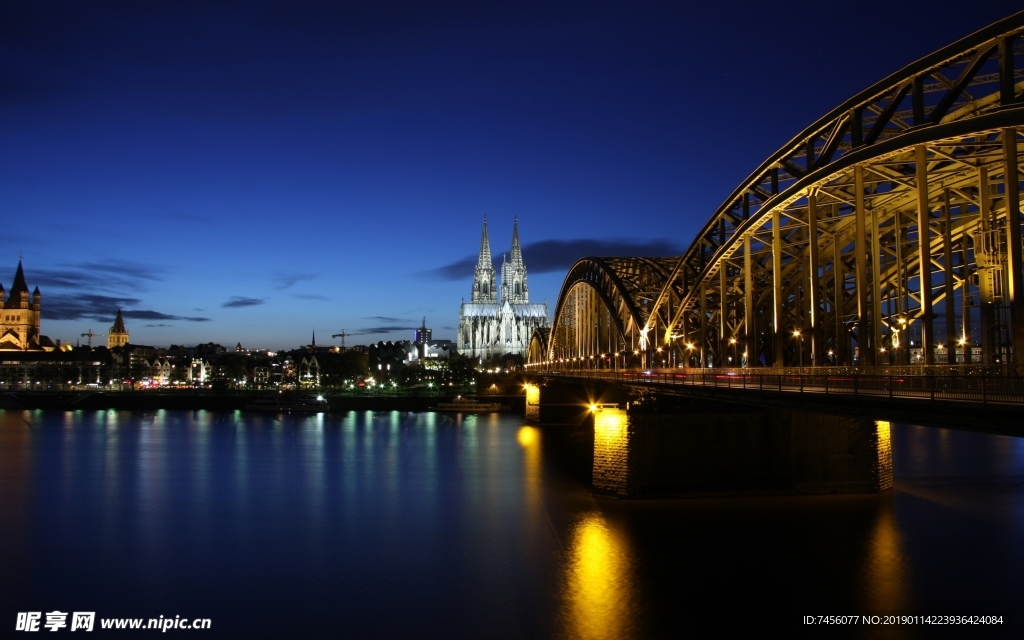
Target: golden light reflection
(885,567)
(527,437)
(599,586)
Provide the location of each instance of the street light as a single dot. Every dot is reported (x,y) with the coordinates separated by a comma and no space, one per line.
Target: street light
(800,342)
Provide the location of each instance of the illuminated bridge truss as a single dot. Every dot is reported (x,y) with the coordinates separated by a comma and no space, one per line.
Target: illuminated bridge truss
(817,257)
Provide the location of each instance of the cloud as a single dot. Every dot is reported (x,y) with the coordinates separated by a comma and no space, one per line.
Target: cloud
(385,329)
(112,275)
(85,306)
(119,280)
(101,308)
(143,314)
(241,301)
(159,325)
(385,318)
(309,296)
(458,270)
(284,280)
(550,256)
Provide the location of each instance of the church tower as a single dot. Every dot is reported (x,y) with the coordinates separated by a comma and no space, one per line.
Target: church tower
(513,273)
(118,334)
(484,281)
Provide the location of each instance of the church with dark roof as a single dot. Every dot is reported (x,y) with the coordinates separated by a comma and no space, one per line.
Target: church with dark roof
(19,324)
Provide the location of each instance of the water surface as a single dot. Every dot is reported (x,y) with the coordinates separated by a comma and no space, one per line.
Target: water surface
(389,525)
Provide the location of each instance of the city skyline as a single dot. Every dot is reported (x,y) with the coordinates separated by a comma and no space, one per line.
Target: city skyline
(249,174)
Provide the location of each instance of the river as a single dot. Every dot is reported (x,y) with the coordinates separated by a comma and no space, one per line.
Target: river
(419,525)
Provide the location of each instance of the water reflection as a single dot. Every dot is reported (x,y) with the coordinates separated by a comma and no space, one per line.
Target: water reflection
(885,573)
(598,584)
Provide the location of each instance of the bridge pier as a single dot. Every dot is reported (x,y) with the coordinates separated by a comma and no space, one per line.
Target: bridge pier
(723,450)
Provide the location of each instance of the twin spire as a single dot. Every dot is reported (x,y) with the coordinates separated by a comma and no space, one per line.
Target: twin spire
(513,272)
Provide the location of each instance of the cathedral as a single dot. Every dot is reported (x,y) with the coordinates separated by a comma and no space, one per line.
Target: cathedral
(19,325)
(492,326)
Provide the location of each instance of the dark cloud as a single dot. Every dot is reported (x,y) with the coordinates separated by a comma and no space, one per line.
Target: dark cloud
(85,306)
(142,314)
(309,296)
(284,280)
(103,309)
(548,256)
(159,325)
(241,301)
(385,329)
(113,275)
(458,270)
(385,318)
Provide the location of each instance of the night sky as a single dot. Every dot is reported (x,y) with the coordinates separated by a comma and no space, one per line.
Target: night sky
(249,172)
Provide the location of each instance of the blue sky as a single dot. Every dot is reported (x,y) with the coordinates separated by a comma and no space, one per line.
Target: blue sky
(254,171)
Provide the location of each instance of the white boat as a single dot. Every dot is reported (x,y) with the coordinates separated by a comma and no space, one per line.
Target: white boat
(289,403)
(469,405)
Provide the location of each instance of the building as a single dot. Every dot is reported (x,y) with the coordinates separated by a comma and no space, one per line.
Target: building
(491,326)
(118,335)
(19,324)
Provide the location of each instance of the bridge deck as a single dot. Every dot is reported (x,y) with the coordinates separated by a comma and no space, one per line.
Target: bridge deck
(992,404)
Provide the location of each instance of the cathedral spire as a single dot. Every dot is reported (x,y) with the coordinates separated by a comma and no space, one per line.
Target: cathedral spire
(513,272)
(484,281)
(484,261)
(517,251)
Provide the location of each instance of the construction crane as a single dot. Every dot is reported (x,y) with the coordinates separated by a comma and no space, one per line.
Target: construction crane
(341,335)
(90,334)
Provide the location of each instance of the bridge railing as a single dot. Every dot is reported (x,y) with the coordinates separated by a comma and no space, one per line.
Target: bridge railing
(984,389)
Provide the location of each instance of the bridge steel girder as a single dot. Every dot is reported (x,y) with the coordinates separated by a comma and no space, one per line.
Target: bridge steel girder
(602,307)
(908,177)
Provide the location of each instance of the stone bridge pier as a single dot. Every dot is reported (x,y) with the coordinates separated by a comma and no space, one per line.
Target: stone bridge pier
(669,446)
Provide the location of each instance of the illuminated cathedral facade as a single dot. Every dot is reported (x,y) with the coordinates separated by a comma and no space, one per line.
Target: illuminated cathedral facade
(497,321)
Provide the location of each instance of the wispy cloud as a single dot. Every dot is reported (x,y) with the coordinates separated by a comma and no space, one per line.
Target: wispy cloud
(284,280)
(548,256)
(144,314)
(309,296)
(386,329)
(117,281)
(241,301)
(102,308)
(112,275)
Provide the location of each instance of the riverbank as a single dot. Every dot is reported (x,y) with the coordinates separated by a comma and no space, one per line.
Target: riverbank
(194,400)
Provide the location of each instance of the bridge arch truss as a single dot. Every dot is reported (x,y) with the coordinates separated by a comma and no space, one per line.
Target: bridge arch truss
(887,232)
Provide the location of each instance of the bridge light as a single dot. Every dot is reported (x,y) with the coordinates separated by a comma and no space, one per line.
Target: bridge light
(882,349)
(796,333)
(732,340)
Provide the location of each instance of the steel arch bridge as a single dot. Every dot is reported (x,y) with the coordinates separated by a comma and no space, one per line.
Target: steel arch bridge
(887,232)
